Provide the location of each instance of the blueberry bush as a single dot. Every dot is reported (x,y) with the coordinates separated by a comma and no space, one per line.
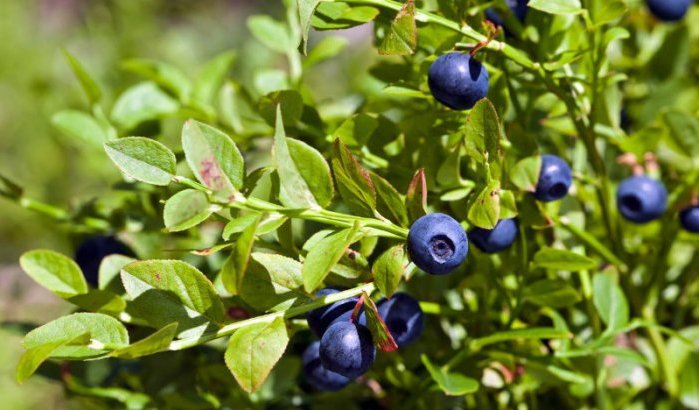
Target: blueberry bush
(267,248)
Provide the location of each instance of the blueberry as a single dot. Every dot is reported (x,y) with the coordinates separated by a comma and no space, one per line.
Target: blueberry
(496,239)
(641,199)
(403,317)
(437,243)
(347,348)
(318,376)
(669,10)
(457,80)
(555,179)
(689,218)
(519,9)
(90,253)
(320,319)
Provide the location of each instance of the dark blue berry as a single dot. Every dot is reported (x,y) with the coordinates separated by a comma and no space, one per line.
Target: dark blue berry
(403,317)
(641,199)
(347,348)
(318,376)
(457,80)
(689,219)
(669,10)
(555,179)
(497,239)
(90,253)
(320,319)
(437,243)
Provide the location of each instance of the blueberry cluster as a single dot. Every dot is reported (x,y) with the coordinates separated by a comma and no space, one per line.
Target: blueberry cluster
(346,348)
(437,243)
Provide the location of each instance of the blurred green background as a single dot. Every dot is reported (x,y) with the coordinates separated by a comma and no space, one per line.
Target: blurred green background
(36,82)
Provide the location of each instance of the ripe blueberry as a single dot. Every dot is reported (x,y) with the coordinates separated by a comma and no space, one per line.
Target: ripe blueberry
(669,10)
(457,80)
(496,239)
(437,243)
(403,317)
(555,179)
(689,218)
(518,7)
(347,348)
(641,199)
(318,376)
(90,253)
(320,319)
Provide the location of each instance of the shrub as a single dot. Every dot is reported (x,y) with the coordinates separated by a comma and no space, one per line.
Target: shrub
(272,194)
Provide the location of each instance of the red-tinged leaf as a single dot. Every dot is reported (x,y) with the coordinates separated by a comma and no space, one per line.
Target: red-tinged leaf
(382,337)
(353,181)
(416,196)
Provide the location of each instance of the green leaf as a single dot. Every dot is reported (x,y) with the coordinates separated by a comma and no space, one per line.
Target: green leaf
(211,77)
(452,384)
(105,334)
(109,272)
(324,255)
(689,382)
(327,48)
(213,157)
(483,132)
(684,131)
(610,301)
(186,209)
(158,341)
(561,259)
(552,293)
(253,351)
(389,268)
(525,174)
(484,211)
(88,84)
(273,282)
(557,6)
(81,126)
(165,75)
(272,33)
(306,8)
(416,196)
(182,281)
(34,357)
(142,102)
(518,334)
(291,103)
(98,300)
(383,339)
(239,112)
(335,16)
(608,12)
(389,202)
(143,159)
(356,131)
(401,38)
(54,271)
(235,266)
(353,181)
(304,174)
(239,224)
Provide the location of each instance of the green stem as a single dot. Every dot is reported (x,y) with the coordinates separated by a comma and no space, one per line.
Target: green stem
(510,52)
(381,227)
(594,244)
(295,311)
